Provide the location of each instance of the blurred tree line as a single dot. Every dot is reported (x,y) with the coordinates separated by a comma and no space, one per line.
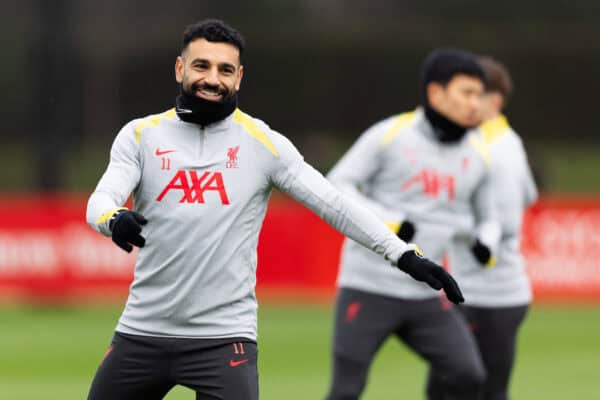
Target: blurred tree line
(319,71)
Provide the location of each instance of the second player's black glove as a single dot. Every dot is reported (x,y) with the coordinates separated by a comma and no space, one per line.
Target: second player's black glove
(407,231)
(482,253)
(422,269)
(126,227)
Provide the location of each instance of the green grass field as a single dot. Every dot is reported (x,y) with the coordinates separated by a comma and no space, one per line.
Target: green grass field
(53,353)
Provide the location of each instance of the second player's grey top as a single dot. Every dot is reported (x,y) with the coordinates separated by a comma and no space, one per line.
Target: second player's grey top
(506,283)
(401,171)
(204,192)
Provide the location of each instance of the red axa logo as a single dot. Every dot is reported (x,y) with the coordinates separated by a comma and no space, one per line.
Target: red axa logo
(232,156)
(194,184)
(433,183)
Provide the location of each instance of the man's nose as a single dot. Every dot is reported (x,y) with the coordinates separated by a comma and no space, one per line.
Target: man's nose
(212,76)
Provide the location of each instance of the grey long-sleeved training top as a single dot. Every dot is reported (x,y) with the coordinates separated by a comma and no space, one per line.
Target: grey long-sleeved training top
(506,284)
(402,172)
(204,192)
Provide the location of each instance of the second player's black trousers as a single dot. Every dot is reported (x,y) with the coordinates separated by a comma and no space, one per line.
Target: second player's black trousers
(431,327)
(495,331)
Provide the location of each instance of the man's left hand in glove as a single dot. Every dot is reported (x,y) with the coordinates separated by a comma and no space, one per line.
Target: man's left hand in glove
(421,269)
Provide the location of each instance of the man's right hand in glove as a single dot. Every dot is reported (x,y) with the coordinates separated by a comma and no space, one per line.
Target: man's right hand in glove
(126,227)
(421,269)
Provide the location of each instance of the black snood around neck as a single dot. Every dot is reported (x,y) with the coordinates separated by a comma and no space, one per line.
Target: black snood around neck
(445,130)
(201,111)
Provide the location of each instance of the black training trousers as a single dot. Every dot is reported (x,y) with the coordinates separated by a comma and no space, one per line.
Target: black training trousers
(146,368)
(431,327)
(495,330)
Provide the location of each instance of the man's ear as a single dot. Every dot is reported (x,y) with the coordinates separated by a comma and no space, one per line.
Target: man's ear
(179,69)
(497,101)
(241,74)
(434,92)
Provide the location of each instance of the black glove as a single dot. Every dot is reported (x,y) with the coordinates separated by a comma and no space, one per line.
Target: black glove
(407,231)
(421,269)
(481,252)
(126,226)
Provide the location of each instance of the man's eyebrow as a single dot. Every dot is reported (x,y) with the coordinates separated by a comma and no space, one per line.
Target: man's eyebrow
(226,64)
(204,60)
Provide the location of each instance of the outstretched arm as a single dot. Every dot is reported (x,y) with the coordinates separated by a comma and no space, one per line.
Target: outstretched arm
(309,187)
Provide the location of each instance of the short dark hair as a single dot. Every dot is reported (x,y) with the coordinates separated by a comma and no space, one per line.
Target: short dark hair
(498,77)
(213,30)
(441,65)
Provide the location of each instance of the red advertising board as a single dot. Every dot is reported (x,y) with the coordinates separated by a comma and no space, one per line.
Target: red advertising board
(47,252)
(561,244)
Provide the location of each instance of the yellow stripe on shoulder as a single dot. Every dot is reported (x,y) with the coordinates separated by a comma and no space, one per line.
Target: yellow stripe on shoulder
(481,146)
(494,129)
(152,121)
(250,126)
(400,122)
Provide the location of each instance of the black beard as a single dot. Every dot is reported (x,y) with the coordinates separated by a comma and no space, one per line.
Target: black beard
(446,131)
(204,112)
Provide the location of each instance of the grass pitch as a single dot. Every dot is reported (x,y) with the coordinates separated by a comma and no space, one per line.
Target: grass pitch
(53,353)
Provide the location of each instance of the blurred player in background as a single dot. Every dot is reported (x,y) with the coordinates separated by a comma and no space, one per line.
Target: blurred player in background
(201,175)
(497,298)
(426,174)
